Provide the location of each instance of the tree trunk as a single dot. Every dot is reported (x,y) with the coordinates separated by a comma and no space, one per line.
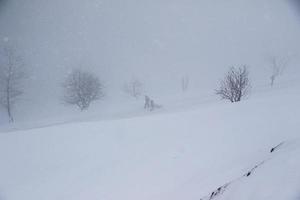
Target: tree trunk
(11,119)
(8,103)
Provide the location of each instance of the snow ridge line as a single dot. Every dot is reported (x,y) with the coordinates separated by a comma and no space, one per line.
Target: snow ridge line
(220,190)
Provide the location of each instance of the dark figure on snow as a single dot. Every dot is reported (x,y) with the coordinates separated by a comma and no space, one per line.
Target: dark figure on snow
(147,102)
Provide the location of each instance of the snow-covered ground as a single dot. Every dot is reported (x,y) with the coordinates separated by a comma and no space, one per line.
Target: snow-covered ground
(176,154)
(195,146)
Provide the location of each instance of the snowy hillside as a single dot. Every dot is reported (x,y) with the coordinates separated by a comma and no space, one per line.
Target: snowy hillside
(186,154)
(70,128)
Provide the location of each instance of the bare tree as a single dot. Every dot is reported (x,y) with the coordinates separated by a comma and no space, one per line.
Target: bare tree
(235,85)
(134,88)
(12,75)
(277,66)
(185,81)
(81,88)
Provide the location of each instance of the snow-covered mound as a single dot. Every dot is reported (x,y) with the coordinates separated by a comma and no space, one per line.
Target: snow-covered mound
(187,154)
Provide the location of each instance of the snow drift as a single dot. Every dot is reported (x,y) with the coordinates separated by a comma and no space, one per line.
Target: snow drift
(185,154)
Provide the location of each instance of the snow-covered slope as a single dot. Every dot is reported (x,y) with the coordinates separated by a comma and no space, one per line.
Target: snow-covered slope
(186,154)
(275,177)
(194,147)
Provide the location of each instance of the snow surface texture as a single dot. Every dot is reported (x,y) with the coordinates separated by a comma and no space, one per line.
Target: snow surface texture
(194,147)
(186,154)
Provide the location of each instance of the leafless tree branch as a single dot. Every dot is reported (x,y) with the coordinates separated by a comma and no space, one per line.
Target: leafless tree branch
(11,77)
(82,88)
(235,85)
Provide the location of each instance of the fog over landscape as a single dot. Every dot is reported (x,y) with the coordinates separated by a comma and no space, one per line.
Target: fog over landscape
(149,99)
(157,42)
